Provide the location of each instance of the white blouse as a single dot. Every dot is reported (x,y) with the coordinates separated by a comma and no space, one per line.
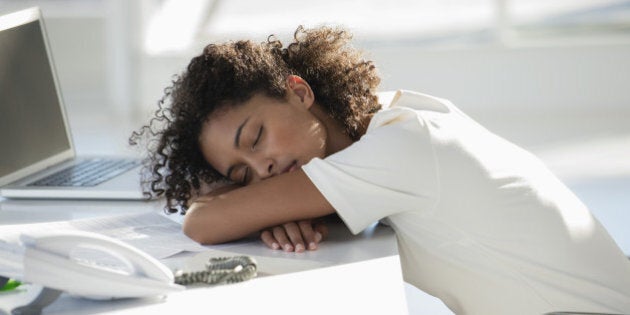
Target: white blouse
(481,223)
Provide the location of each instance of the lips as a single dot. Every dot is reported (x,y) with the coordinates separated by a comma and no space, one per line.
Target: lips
(292,167)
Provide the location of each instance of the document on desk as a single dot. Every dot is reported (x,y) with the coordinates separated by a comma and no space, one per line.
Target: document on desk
(151,232)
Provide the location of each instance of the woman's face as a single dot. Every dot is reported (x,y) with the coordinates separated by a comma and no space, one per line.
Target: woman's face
(263,137)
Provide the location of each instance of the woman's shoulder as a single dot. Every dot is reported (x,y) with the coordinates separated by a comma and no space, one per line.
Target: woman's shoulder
(407,106)
(414,100)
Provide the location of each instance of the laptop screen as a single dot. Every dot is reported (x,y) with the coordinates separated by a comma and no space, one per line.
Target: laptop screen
(32,126)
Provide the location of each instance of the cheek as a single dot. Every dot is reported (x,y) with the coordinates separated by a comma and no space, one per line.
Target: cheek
(305,138)
(314,139)
(299,135)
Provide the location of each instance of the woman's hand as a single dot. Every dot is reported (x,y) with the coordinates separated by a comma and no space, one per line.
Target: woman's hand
(295,236)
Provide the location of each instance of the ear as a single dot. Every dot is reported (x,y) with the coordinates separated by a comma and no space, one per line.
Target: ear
(298,90)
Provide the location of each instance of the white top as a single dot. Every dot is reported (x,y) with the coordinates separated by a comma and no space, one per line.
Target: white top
(481,223)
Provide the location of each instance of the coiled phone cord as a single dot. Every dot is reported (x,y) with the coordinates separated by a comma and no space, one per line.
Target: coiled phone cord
(220,270)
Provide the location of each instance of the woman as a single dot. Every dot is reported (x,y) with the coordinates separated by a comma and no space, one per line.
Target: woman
(296,133)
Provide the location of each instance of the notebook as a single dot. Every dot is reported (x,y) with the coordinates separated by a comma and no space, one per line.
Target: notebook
(38,158)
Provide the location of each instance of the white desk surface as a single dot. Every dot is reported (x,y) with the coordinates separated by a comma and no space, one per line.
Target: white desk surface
(93,134)
(363,276)
(347,274)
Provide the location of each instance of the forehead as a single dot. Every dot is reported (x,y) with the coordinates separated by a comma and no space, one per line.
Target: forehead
(230,116)
(232,110)
(223,119)
(216,139)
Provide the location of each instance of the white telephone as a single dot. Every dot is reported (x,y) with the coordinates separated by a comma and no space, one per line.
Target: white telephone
(54,260)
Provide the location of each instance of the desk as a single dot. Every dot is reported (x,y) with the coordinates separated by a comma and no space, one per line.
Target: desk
(346,275)
(340,288)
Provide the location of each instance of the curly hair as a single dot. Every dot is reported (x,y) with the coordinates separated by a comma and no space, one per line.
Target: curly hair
(229,74)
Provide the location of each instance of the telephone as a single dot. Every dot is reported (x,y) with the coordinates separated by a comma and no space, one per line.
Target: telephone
(93,265)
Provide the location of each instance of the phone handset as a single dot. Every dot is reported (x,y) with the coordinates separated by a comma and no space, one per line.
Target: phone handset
(49,261)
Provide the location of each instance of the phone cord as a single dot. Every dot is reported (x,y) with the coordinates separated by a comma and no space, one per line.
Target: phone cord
(220,270)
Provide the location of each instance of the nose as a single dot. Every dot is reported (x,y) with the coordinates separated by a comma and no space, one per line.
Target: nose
(263,168)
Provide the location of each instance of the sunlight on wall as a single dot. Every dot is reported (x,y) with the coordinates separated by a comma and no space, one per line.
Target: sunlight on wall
(429,22)
(174,26)
(374,18)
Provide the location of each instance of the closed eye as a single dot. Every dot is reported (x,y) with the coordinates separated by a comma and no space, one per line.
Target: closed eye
(258,136)
(245,179)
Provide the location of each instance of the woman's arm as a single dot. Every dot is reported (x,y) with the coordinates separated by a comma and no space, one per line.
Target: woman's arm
(237,213)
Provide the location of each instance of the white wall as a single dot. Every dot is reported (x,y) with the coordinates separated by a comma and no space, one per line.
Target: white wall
(79,51)
(528,94)
(570,91)
(567,92)
(572,76)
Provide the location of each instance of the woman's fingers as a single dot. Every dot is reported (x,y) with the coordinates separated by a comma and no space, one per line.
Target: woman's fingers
(295,236)
(309,235)
(267,237)
(322,230)
(280,234)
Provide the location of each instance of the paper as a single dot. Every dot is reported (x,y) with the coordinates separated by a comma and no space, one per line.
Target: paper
(150,232)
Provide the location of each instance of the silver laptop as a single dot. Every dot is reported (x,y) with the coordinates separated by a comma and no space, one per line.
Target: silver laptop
(37,158)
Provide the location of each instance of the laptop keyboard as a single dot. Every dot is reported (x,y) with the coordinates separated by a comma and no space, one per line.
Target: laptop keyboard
(88,173)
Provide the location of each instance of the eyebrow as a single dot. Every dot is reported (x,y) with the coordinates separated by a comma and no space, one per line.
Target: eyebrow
(237,139)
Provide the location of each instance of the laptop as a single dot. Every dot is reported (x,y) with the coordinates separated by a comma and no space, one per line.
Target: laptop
(37,158)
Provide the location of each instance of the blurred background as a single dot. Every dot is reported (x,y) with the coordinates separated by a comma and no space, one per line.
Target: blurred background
(551,76)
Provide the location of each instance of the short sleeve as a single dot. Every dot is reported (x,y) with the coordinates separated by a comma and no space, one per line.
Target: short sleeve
(390,170)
